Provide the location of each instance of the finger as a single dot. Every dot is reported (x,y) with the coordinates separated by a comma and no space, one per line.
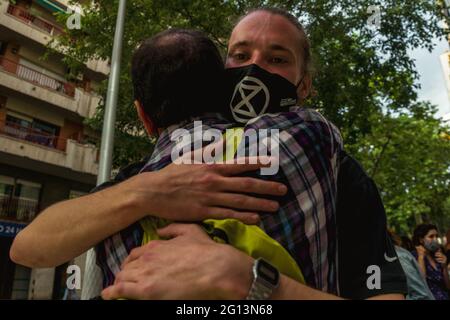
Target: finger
(128,275)
(224,213)
(252,185)
(242,202)
(181,229)
(139,251)
(132,264)
(241,165)
(134,254)
(128,290)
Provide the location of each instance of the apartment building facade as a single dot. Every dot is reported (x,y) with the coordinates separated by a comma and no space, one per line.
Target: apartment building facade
(46,153)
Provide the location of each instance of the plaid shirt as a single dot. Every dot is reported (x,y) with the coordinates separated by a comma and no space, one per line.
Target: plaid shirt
(305,224)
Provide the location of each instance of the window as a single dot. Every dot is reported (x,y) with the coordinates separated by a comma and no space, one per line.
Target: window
(45,133)
(32,130)
(18,127)
(19,199)
(6,194)
(27,195)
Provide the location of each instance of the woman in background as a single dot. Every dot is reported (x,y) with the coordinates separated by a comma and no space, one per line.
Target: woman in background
(431,259)
(417,285)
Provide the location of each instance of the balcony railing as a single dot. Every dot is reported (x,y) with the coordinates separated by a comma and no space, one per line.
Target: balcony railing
(29,134)
(39,137)
(26,17)
(36,77)
(18,209)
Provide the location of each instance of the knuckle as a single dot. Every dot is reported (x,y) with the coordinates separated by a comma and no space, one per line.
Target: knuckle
(120,288)
(208,179)
(241,201)
(213,167)
(202,212)
(248,184)
(119,277)
(147,256)
(151,245)
(231,214)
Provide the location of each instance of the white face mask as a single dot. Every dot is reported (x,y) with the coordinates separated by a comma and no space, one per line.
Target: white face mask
(431,245)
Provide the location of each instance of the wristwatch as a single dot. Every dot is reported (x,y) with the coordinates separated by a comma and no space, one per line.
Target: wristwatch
(265,279)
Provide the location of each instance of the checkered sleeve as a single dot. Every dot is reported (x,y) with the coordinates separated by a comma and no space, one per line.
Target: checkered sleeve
(308,152)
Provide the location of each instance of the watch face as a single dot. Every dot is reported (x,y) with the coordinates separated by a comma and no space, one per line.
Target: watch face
(267,272)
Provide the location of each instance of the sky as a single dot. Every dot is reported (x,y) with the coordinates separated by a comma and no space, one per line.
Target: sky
(432,77)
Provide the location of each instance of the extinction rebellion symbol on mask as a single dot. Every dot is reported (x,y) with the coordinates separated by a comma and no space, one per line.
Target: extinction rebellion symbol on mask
(250,99)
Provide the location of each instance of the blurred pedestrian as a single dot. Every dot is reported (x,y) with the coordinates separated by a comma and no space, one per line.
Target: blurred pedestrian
(406,243)
(417,285)
(432,261)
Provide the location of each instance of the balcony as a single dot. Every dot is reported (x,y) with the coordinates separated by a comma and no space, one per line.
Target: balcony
(17,209)
(33,83)
(23,22)
(36,145)
(33,21)
(29,134)
(36,77)
(100,66)
(42,31)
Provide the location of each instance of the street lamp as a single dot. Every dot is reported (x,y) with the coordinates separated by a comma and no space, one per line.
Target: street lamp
(92,283)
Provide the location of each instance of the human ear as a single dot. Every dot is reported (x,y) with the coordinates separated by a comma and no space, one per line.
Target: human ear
(148,123)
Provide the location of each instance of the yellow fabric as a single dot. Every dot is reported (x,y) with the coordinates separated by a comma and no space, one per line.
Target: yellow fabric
(249,239)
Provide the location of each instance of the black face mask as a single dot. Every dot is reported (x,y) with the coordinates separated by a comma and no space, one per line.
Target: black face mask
(254,91)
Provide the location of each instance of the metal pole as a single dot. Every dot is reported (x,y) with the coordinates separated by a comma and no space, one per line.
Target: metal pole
(107,144)
(92,283)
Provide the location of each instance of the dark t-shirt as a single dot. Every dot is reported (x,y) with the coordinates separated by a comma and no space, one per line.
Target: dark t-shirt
(363,243)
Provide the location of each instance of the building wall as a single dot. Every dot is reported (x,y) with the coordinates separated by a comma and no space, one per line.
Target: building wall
(72,167)
(69,130)
(31,54)
(35,110)
(3,100)
(54,189)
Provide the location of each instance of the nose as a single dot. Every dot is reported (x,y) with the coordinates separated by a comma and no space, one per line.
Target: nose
(258,59)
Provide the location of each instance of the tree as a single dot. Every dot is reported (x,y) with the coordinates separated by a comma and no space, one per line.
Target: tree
(410,161)
(364,73)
